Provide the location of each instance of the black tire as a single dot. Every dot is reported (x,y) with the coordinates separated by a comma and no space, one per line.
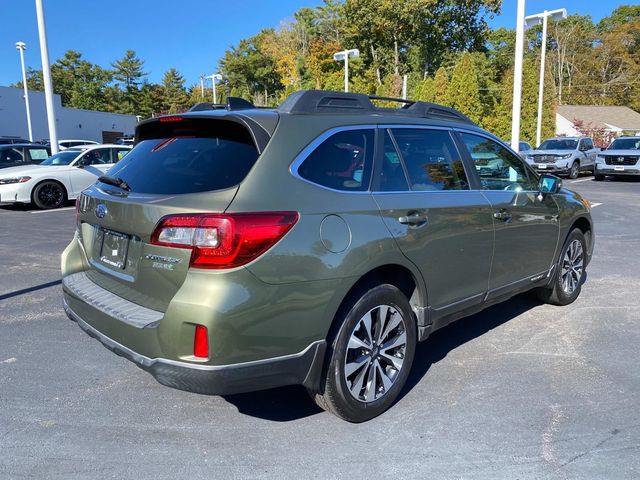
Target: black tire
(574,171)
(557,293)
(335,394)
(598,177)
(48,195)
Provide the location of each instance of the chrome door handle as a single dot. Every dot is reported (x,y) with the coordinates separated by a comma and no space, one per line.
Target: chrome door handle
(503,215)
(413,219)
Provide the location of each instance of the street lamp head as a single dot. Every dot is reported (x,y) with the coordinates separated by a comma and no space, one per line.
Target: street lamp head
(340,56)
(537,19)
(21,45)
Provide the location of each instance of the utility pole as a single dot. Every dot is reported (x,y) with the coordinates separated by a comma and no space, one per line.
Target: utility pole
(535,20)
(517,78)
(21,46)
(46,76)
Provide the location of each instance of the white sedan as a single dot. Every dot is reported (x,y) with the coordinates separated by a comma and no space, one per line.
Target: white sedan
(60,177)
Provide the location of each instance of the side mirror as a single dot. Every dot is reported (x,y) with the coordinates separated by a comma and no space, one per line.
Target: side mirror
(83,162)
(549,184)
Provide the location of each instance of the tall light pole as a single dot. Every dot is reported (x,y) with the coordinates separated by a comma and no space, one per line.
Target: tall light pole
(21,46)
(517,78)
(214,77)
(46,76)
(530,21)
(344,55)
(202,86)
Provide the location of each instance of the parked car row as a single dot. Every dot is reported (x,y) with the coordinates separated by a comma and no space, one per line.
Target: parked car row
(570,156)
(32,176)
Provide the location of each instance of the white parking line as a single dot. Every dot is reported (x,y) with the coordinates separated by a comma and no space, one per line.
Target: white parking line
(582,180)
(593,205)
(54,210)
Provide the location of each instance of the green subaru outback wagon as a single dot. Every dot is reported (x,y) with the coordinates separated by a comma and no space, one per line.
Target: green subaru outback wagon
(238,249)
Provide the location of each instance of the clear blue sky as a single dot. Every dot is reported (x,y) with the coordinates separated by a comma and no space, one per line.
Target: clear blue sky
(190,35)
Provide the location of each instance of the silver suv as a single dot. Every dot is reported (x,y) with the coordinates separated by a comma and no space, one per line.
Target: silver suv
(564,156)
(621,158)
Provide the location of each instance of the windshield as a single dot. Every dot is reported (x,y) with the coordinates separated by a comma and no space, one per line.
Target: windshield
(559,144)
(61,158)
(625,144)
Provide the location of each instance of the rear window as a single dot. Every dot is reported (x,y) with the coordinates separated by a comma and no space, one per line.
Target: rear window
(187,156)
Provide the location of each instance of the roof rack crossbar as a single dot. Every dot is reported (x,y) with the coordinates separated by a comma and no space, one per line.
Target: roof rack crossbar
(323,101)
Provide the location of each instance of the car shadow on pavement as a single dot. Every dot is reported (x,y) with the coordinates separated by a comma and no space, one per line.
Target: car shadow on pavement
(16,293)
(441,342)
(29,207)
(292,403)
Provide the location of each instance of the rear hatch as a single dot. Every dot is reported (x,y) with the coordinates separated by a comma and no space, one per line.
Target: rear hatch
(179,165)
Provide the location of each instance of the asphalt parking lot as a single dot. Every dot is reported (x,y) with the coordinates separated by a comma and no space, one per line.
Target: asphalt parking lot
(521,390)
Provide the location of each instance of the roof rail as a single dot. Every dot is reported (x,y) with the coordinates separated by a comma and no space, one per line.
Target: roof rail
(322,101)
(233,103)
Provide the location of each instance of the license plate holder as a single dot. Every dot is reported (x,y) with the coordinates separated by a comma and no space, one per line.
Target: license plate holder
(542,166)
(619,168)
(114,249)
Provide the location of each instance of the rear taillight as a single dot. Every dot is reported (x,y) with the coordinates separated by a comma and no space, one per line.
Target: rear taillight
(223,240)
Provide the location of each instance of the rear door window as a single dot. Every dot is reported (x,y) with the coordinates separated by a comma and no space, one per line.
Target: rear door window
(342,162)
(431,159)
(188,156)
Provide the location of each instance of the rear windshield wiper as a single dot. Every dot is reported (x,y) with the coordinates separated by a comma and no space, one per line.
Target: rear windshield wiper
(115,181)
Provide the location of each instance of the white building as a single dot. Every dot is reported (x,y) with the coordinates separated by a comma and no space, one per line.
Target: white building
(616,120)
(72,123)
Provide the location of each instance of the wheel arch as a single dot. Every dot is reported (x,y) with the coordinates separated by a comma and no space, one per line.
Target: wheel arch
(406,279)
(586,227)
(55,180)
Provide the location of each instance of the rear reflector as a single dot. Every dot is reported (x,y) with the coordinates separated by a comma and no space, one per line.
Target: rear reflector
(201,342)
(223,240)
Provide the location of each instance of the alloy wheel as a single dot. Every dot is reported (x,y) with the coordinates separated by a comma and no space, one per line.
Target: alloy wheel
(572,267)
(50,195)
(375,353)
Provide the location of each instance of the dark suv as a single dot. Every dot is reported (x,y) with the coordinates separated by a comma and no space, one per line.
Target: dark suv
(240,249)
(16,155)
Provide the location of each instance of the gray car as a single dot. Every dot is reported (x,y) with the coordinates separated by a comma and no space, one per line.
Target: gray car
(564,156)
(237,249)
(622,158)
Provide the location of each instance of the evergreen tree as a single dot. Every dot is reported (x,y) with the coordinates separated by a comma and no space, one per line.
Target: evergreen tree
(175,95)
(463,92)
(129,71)
(425,90)
(440,86)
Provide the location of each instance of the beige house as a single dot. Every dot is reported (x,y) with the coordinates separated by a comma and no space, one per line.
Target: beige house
(613,119)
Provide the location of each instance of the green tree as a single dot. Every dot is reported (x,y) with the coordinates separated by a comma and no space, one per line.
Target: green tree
(175,95)
(463,92)
(129,72)
(425,90)
(441,86)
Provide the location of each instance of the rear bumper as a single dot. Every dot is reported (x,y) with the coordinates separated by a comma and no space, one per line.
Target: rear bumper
(303,368)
